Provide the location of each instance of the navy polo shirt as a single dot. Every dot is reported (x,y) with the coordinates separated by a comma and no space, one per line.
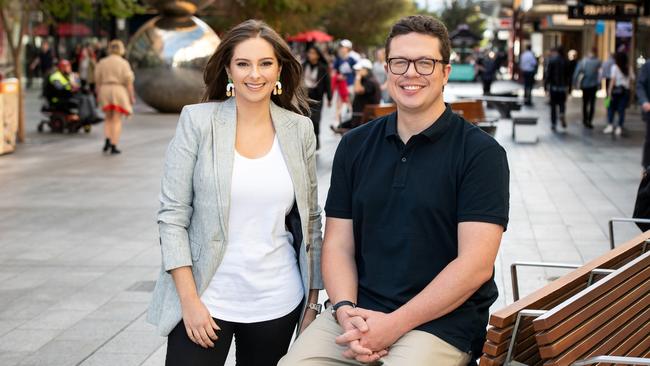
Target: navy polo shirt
(406,200)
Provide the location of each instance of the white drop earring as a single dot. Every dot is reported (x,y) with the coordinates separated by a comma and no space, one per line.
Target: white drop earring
(278,88)
(230,88)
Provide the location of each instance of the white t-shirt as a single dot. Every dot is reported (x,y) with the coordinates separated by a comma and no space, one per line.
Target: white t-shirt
(259,278)
(621,79)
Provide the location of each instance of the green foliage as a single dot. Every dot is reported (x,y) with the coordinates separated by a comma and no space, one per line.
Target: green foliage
(366,23)
(61,10)
(463,12)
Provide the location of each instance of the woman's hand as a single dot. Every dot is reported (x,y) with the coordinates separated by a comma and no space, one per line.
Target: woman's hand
(199,325)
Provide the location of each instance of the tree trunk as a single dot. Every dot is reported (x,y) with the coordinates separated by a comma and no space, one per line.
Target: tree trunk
(16,49)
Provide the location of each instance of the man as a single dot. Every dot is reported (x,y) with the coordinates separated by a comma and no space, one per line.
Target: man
(586,77)
(528,66)
(416,209)
(643,95)
(556,83)
(62,87)
(45,61)
(344,63)
(488,70)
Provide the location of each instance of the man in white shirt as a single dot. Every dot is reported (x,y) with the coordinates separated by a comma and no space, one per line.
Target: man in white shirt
(528,66)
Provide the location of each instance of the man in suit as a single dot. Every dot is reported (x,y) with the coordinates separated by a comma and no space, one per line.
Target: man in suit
(643,95)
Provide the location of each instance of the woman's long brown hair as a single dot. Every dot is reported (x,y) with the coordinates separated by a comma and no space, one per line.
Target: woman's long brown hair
(293,95)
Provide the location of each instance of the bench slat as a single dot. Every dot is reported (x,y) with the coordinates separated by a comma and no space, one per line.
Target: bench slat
(603,308)
(581,343)
(578,301)
(536,300)
(613,342)
(627,342)
(498,335)
(492,361)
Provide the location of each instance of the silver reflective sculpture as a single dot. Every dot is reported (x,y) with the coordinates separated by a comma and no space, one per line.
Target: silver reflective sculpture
(168,54)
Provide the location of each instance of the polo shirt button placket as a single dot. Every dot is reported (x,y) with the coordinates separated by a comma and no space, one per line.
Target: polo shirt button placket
(403,159)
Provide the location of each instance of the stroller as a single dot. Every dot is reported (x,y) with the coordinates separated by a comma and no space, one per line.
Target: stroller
(70,111)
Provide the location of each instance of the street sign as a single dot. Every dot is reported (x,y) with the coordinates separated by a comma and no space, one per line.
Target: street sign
(616,11)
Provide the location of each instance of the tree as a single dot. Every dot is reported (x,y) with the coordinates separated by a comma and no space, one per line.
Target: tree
(463,12)
(285,16)
(14,15)
(366,23)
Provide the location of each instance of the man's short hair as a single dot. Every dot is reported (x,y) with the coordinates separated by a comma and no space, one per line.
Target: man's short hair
(422,24)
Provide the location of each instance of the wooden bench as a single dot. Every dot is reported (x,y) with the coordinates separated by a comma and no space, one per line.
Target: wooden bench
(370,112)
(472,111)
(503,104)
(373,111)
(609,318)
(512,335)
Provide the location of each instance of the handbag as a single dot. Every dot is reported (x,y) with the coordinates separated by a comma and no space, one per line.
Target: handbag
(642,203)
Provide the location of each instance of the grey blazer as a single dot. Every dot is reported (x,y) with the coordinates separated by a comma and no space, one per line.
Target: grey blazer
(195,200)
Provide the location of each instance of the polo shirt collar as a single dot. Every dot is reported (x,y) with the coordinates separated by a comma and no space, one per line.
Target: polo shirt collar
(433,132)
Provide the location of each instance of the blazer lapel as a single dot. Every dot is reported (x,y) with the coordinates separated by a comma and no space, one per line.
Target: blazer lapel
(285,130)
(224,123)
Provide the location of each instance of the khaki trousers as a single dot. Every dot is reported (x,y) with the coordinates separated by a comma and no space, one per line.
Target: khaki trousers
(316,347)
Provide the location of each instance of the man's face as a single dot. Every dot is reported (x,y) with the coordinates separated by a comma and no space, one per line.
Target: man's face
(412,91)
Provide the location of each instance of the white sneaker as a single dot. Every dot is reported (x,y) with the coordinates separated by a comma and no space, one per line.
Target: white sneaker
(609,129)
(618,131)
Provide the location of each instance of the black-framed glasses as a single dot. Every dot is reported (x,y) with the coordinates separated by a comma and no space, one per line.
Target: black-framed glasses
(423,66)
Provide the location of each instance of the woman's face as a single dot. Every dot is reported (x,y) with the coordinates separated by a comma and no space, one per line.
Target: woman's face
(312,55)
(254,69)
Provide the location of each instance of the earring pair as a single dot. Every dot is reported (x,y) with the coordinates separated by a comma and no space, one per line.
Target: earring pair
(230,88)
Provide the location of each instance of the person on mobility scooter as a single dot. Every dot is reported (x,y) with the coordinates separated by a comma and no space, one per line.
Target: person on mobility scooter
(67,106)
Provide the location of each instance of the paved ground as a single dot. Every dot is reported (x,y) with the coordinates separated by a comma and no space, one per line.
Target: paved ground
(78,239)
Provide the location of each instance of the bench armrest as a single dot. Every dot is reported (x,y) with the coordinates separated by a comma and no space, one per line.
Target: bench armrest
(515,279)
(623,219)
(613,359)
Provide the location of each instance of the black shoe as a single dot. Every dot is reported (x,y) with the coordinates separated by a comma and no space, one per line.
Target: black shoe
(114,150)
(107,145)
(553,128)
(563,120)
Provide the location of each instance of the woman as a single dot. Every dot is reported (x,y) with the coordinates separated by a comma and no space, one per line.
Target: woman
(87,63)
(114,83)
(240,226)
(619,92)
(317,81)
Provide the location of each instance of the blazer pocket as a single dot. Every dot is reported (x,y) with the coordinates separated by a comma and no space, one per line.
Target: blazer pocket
(195,248)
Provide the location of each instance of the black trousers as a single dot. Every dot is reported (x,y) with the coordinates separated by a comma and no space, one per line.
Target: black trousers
(646,144)
(558,101)
(529,82)
(316,109)
(258,344)
(487,85)
(588,104)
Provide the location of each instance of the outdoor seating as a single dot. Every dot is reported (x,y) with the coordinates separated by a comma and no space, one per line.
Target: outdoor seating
(609,318)
(472,111)
(503,104)
(370,112)
(515,337)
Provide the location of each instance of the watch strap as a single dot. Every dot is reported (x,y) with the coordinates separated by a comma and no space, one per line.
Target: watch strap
(315,307)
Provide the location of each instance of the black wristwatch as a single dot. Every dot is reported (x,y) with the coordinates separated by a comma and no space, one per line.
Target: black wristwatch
(339,304)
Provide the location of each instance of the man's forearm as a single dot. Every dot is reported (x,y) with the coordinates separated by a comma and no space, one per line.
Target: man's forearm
(446,292)
(339,275)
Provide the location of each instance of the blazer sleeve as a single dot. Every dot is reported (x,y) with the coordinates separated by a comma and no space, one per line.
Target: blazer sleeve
(315,234)
(176,195)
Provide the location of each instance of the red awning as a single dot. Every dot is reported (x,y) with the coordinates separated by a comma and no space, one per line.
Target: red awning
(63,30)
(311,36)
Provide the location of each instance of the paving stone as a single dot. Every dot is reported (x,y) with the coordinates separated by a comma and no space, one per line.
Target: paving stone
(26,340)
